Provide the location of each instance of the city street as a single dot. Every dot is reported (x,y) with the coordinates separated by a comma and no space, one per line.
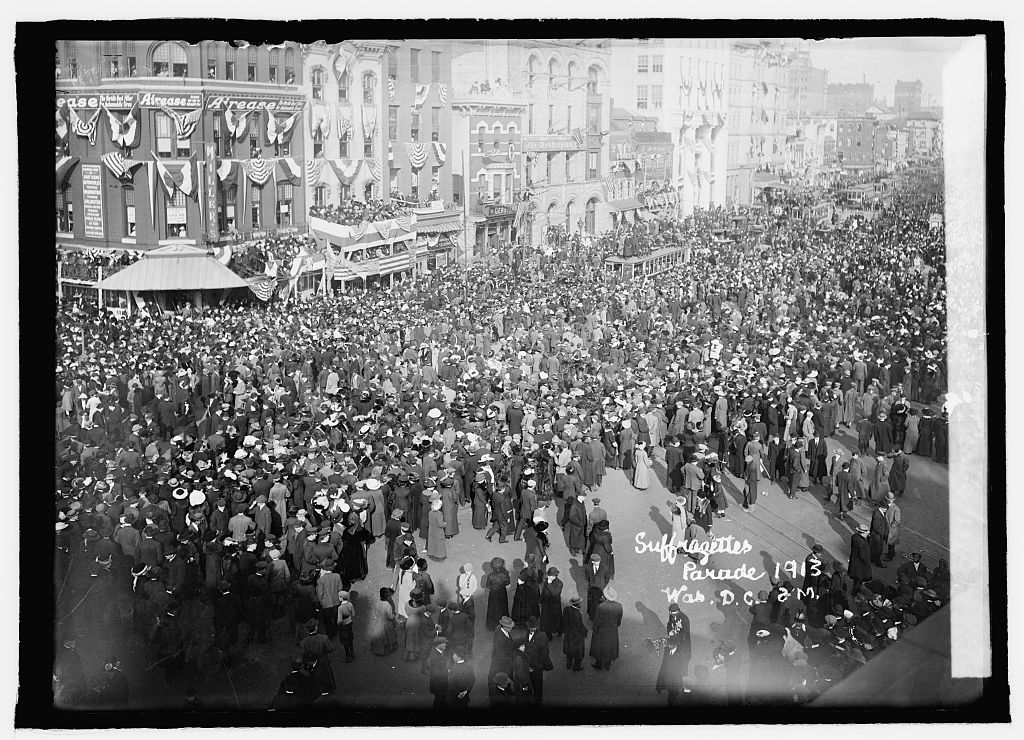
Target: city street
(778,530)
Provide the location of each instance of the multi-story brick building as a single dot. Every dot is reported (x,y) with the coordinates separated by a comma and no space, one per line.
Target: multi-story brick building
(806,87)
(849,98)
(203,149)
(858,143)
(907,97)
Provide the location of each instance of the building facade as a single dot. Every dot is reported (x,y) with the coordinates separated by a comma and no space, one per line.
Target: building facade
(757,94)
(925,130)
(849,99)
(164,142)
(858,143)
(681,83)
(343,137)
(806,87)
(907,97)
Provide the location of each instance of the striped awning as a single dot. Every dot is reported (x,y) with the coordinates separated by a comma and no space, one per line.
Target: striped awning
(440,227)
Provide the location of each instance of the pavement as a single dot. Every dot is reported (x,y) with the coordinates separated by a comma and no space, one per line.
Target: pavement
(778,530)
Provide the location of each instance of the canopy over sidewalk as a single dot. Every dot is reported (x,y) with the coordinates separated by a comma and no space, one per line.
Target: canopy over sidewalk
(174,267)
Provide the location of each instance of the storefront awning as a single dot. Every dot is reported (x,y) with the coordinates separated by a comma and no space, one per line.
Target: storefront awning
(175,267)
(629,204)
(440,227)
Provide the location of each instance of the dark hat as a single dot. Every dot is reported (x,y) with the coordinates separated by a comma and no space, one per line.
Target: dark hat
(532,623)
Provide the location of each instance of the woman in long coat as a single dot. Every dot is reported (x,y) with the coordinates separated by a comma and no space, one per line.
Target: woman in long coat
(675,657)
(526,601)
(551,604)
(601,544)
(604,645)
(383,629)
(414,621)
(599,452)
(913,432)
(879,485)
(642,467)
(737,445)
(450,510)
(496,582)
(927,433)
(587,474)
(481,495)
(437,546)
(354,541)
(941,432)
(574,644)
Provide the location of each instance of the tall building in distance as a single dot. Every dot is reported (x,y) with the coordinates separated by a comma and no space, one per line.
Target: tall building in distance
(206,149)
(907,98)
(806,87)
(681,83)
(849,98)
(757,94)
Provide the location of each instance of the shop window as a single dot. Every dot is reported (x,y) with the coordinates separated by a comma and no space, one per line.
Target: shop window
(176,215)
(128,197)
(65,211)
(285,193)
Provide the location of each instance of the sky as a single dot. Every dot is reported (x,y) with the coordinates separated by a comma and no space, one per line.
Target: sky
(883,60)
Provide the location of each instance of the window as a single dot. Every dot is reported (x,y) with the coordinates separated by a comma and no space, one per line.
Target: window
(128,199)
(393,66)
(289,66)
(435,178)
(656,96)
(594,119)
(211,67)
(481,129)
(550,160)
(256,202)
(592,165)
(369,191)
(254,145)
(282,149)
(414,66)
(164,129)
(368,148)
(229,70)
(529,119)
(641,96)
(343,87)
(656,63)
(414,124)
(318,143)
(568,167)
(393,178)
(435,66)
(641,63)
(226,213)
(285,192)
(320,196)
(221,144)
(252,64)
(532,68)
(133,68)
(568,118)
(176,215)
(414,187)
(435,123)
(65,211)
(551,118)
(170,60)
(369,85)
(343,144)
(496,187)
(275,62)
(317,82)
(344,193)
(392,123)
(592,80)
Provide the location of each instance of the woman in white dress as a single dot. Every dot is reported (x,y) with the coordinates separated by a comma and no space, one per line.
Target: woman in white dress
(641,467)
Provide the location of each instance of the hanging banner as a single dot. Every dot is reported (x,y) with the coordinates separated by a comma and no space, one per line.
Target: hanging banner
(92,200)
(210,194)
(253,102)
(123,100)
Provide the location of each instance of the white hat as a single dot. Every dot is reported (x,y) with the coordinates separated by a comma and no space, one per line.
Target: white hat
(372,483)
(434,413)
(249,441)
(196,498)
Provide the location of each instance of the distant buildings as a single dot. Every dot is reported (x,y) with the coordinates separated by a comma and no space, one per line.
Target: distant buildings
(907,97)
(807,87)
(849,98)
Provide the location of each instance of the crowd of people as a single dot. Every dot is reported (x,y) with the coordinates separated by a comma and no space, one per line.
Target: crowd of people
(221,475)
(85,264)
(354,212)
(252,258)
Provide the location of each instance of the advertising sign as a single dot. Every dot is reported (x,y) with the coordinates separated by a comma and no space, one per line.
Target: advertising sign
(210,165)
(123,100)
(254,102)
(92,200)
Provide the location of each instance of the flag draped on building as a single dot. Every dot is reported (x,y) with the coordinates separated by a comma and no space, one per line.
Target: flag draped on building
(258,169)
(186,123)
(578,135)
(151,174)
(121,168)
(373,165)
(125,132)
(314,171)
(344,122)
(384,228)
(422,91)
(404,222)
(63,124)
(85,129)
(369,118)
(236,123)
(417,154)
(290,170)
(440,152)
(442,94)
(264,289)
(280,131)
(345,169)
(320,119)
(342,59)
(190,177)
(391,154)
(391,89)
